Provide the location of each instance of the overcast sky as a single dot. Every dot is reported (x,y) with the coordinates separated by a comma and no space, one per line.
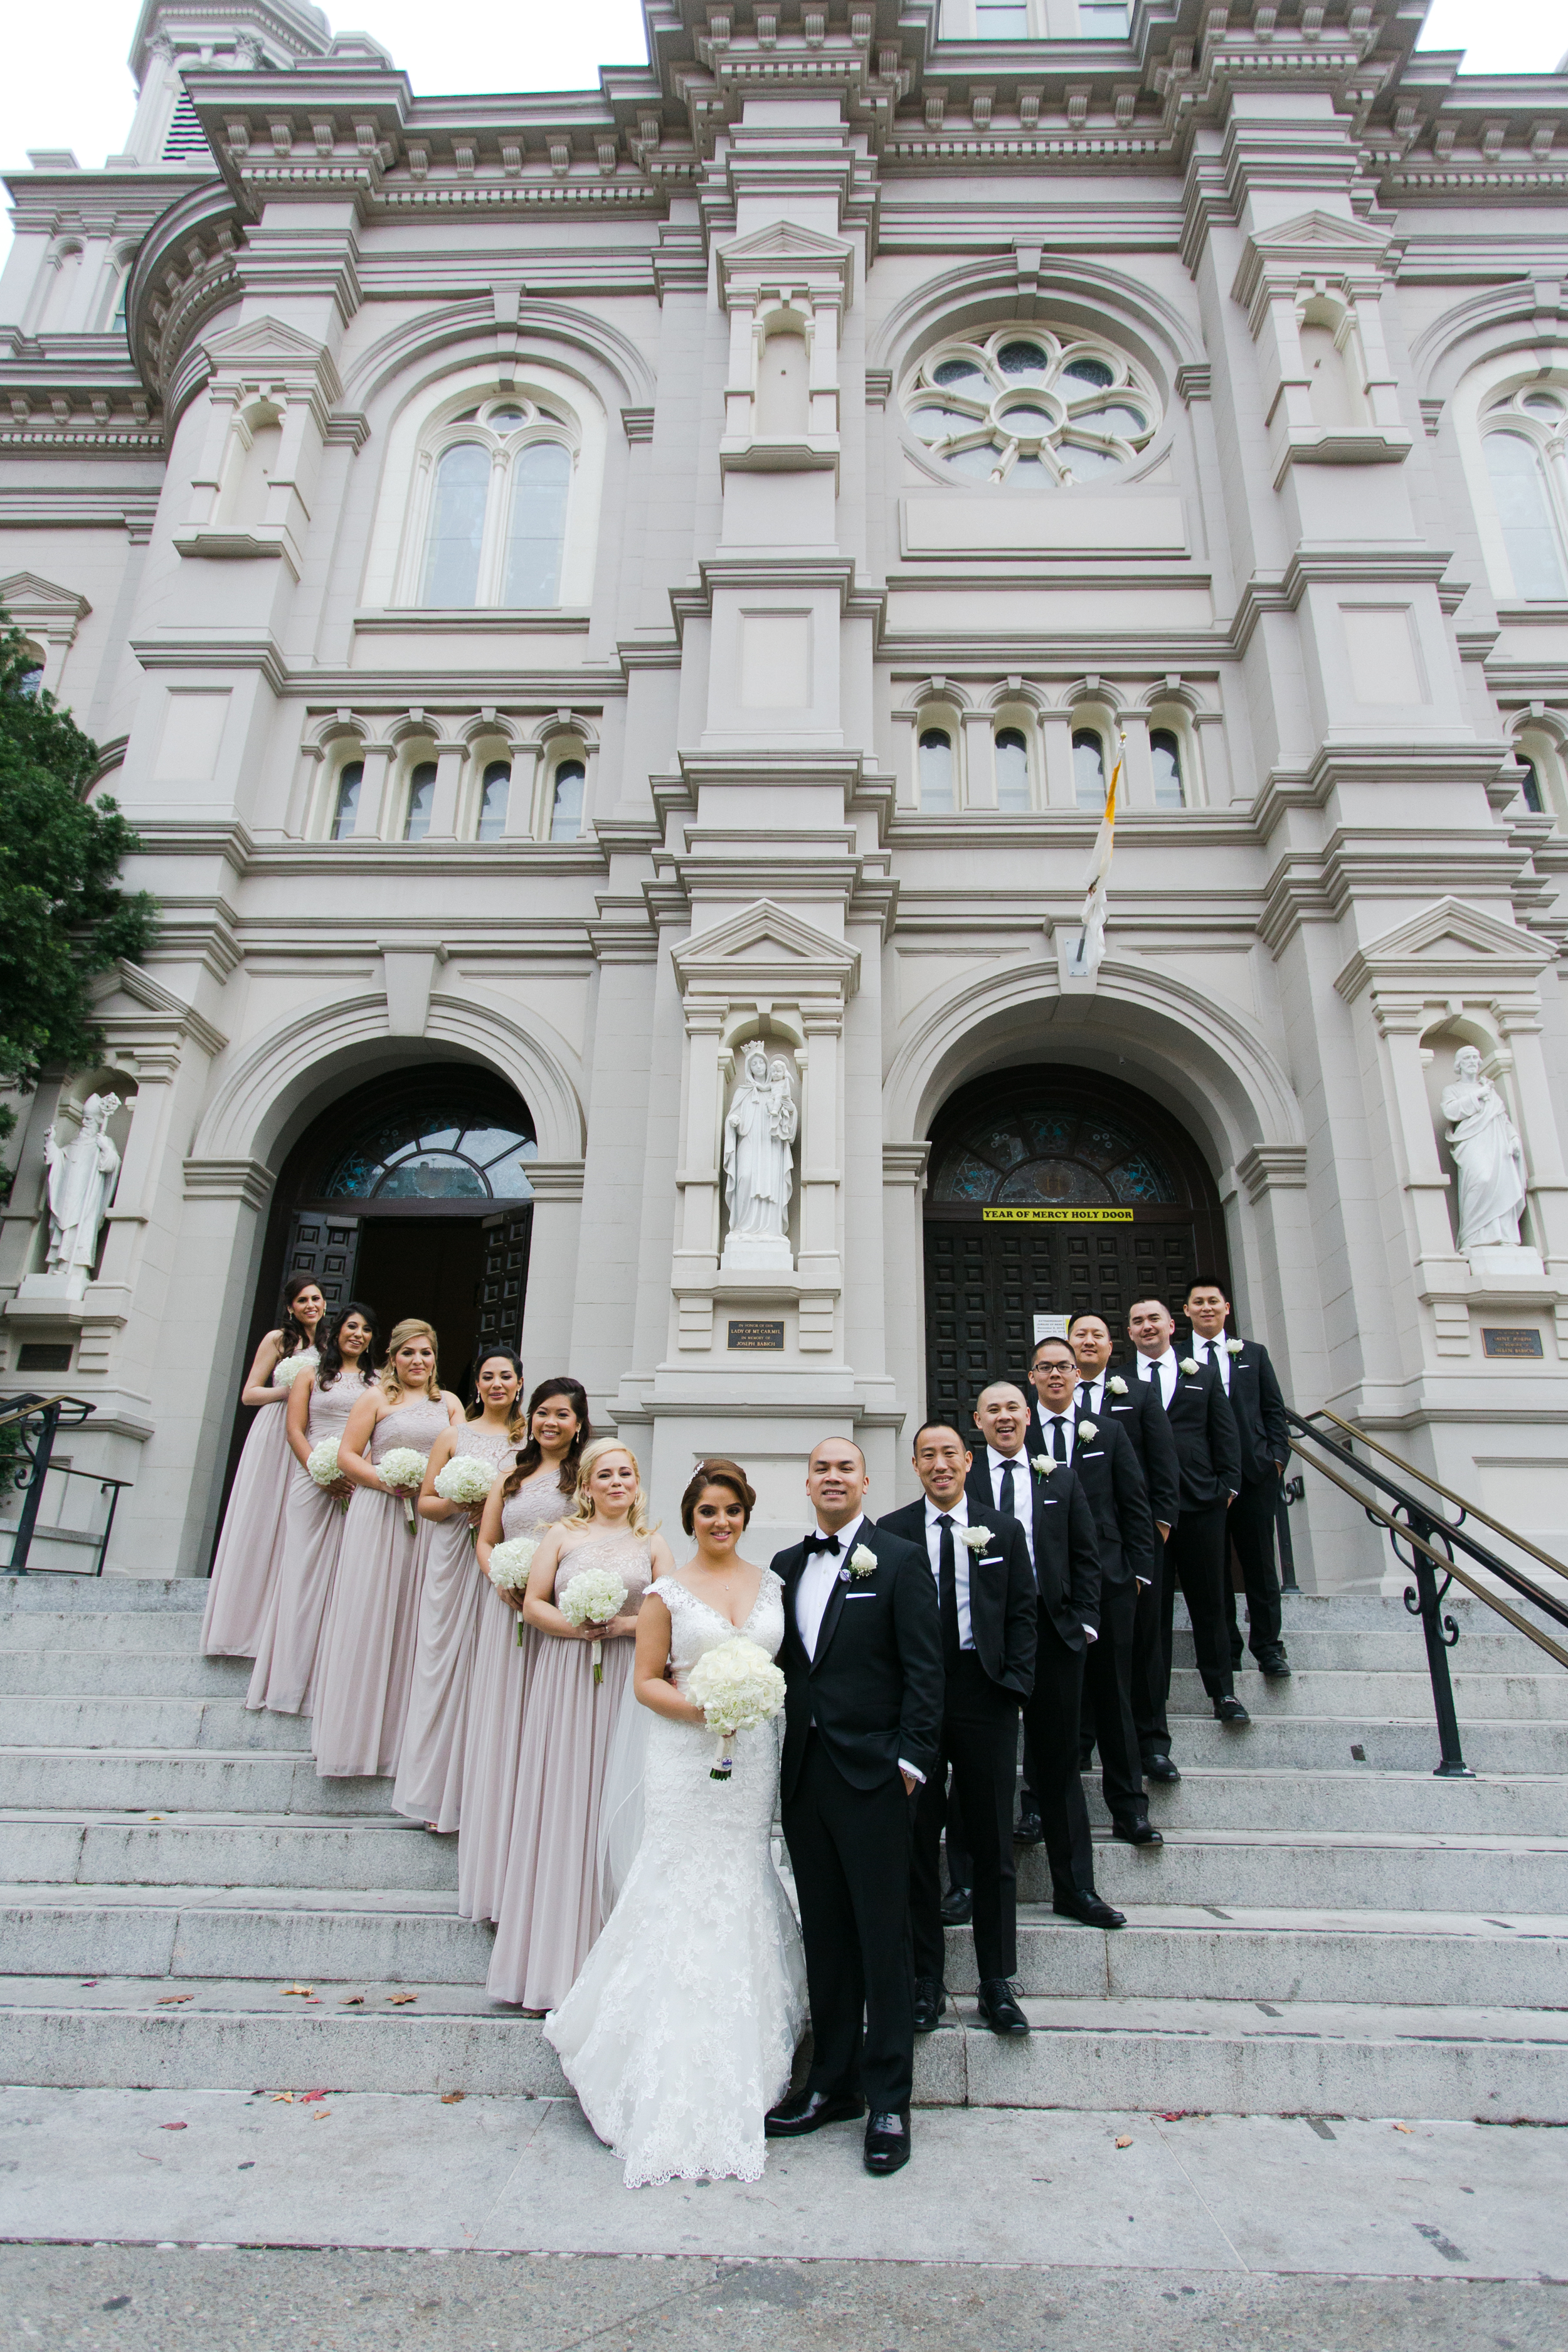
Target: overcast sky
(77,91)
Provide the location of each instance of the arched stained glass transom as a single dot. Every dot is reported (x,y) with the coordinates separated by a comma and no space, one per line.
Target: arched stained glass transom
(1049,1157)
(452,1152)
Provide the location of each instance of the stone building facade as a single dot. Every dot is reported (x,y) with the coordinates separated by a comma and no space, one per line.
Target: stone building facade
(570,585)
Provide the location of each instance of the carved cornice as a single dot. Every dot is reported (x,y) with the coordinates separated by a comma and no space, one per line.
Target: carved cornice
(185,274)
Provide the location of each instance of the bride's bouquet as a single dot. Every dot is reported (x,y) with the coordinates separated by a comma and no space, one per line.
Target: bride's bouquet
(401,1469)
(510,1564)
(466,1479)
(594,1596)
(737,1686)
(321,1461)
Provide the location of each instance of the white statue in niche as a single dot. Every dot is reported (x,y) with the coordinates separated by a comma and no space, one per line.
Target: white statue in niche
(1488,1155)
(82,1176)
(760,1130)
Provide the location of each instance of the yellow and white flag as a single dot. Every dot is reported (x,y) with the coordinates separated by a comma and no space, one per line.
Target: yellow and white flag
(1091,938)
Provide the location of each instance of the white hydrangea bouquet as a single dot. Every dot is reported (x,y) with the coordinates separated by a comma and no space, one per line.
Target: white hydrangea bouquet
(594,1596)
(401,1469)
(737,1686)
(510,1564)
(287,1368)
(321,1461)
(467,1480)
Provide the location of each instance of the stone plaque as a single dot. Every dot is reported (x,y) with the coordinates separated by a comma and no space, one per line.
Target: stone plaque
(43,1355)
(1516,1343)
(1051,1327)
(756,1336)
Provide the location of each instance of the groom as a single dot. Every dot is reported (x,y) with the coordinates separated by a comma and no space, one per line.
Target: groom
(863,1660)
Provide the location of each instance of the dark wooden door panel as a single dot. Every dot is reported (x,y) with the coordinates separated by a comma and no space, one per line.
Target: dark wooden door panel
(326,1245)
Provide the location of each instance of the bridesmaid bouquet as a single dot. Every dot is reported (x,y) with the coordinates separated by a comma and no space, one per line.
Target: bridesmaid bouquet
(323,1465)
(287,1368)
(510,1564)
(737,1686)
(402,1469)
(594,1596)
(466,1479)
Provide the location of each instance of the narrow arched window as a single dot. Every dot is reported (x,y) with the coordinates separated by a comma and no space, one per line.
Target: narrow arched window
(457,526)
(1089,768)
(936,769)
(495,792)
(1011,768)
(31,681)
(566,801)
(1531,786)
(536,531)
(1524,509)
(346,800)
(1165,755)
(421,801)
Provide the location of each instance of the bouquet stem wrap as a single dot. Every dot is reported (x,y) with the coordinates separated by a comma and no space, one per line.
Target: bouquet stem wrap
(593,1597)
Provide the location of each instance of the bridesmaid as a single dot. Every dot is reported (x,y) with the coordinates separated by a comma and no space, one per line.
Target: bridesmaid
(550,1907)
(430,1771)
(320,1403)
(368,1647)
(539,1490)
(245,1566)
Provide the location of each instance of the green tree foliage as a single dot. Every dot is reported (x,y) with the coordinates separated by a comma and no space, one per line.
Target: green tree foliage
(63,916)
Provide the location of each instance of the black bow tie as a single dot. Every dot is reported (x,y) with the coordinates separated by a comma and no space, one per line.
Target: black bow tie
(823,1543)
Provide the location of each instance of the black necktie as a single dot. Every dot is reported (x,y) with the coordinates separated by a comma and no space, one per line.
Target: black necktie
(947,1588)
(823,1543)
(1059,1437)
(1005,1504)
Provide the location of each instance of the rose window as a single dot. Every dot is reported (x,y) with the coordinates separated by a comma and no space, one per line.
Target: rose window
(1035,407)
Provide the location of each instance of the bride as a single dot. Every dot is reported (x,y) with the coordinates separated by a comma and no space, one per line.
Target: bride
(679,2033)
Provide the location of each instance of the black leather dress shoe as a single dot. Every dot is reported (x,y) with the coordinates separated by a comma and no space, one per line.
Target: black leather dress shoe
(1276,1665)
(1086,1907)
(886,2142)
(807,2111)
(998,2010)
(930,1999)
(958,1907)
(1160,1767)
(1136,1832)
(1230,1710)
(1031,1830)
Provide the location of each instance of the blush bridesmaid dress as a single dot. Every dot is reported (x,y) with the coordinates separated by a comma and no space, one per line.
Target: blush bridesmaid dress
(313,1525)
(250,1548)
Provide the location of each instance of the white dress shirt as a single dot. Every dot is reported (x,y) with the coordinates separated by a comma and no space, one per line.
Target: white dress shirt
(1165,1366)
(1022,1490)
(1219,1355)
(817,1578)
(959,1515)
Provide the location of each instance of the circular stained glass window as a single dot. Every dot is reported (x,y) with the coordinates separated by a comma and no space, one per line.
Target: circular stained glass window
(441,1154)
(1038,411)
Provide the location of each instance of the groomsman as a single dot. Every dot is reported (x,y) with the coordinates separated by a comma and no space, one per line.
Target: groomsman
(1248,1379)
(1209,1454)
(1106,1467)
(990,1618)
(1132,1406)
(1052,1510)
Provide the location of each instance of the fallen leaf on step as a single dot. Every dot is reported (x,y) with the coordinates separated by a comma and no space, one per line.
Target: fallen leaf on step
(1404,2127)
(90,1984)
(352,2000)
(306,2096)
(286,2098)
(453,2099)
(401,1999)
(308,1990)
(172,2000)
(148,2159)
(173,2127)
(321,2114)
(1124,2141)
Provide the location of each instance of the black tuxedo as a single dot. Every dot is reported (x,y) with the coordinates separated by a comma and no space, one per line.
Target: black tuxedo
(1258,1410)
(868,1695)
(985,1686)
(1150,1431)
(1140,1415)
(1209,1453)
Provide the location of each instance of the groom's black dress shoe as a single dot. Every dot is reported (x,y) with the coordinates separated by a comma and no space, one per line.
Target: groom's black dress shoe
(1230,1710)
(997,2008)
(958,1907)
(1160,1767)
(930,1999)
(887,2142)
(807,2111)
(1085,1906)
(1136,1830)
(1031,1830)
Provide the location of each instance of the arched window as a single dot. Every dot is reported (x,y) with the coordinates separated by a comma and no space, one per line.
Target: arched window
(1165,757)
(936,770)
(1012,770)
(566,799)
(495,529)
(1531,786)
(440,1153)
(31,681)
(456,537)
(495,792)
(1089,768)
(346,800)
(1037,407)
(1531,529)
(541,476)
(421,801)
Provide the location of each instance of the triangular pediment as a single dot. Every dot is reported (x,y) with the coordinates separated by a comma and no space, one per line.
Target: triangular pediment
(784,247)
(269,342)
(1314,240)
(1450,942)
(766,943)
(30,599)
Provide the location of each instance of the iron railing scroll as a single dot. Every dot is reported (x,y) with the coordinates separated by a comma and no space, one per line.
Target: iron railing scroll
(37,1421)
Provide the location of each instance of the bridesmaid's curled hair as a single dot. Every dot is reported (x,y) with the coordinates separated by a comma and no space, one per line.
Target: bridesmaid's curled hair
(530,1459)
(291,1334)
(720,1472)
(476,1411)
(331,1361)
(412,1327)
(584,1515)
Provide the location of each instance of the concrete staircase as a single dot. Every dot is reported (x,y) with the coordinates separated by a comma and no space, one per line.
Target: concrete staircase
(1329,1930)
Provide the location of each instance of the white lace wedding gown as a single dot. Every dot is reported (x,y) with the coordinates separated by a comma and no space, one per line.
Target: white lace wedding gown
(679,2033)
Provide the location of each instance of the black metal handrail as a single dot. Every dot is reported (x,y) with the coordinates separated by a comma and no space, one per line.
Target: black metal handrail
(37,1419)
(1432,1537)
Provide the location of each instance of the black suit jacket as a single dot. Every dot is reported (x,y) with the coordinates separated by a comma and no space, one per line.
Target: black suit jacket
(1202,1422)
(1259,1410)
(1106,1467)
(876,1687)
(1066,1556)
(1136,1412)
(1004,1614)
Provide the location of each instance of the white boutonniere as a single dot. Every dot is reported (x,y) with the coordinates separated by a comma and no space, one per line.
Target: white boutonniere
(975,1537)
(1089,1429)
(862,1562)
(1042,1463)
(1116,1385)
(1234,1347)
(1189,1363)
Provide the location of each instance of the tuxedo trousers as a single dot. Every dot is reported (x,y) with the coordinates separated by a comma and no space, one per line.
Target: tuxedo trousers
(1197,1559)
(1108,1702)
(1252,1520)
(849,1849)
(1050,1728)
(980,1741)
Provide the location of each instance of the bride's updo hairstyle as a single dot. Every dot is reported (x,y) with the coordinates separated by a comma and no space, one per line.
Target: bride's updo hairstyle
(411,1328)
(720,1472)
(583,1516)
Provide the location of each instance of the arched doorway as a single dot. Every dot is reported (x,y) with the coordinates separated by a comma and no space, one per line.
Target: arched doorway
(1051,1193)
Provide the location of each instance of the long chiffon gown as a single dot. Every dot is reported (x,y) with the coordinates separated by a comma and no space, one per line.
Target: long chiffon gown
(550,1911)
(250,1548)
(503,1669)
(430,1769)
(367,1649)
(313,1524)
(679,2033)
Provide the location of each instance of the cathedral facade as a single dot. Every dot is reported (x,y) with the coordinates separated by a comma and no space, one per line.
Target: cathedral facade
(614,616)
